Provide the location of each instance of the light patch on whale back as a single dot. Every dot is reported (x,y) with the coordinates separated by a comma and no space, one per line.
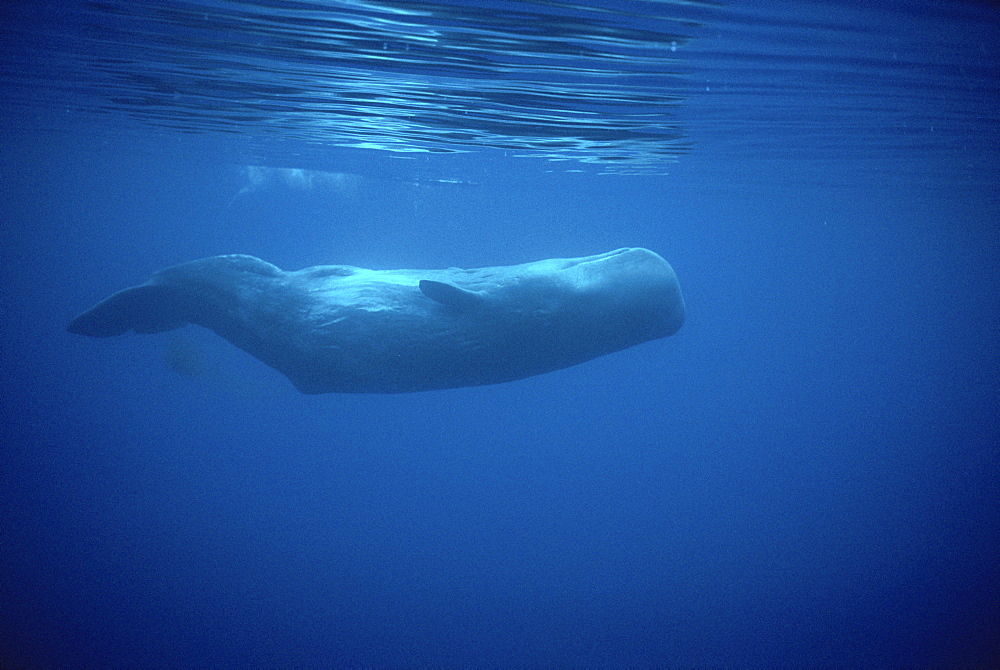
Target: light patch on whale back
(363,289)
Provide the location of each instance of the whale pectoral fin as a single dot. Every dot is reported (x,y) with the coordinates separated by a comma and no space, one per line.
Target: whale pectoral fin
(450,295)
(149,308)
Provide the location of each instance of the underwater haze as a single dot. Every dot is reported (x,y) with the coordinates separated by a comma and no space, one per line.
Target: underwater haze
(806,474)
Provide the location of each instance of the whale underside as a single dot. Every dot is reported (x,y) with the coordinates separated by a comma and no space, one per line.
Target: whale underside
(338,328)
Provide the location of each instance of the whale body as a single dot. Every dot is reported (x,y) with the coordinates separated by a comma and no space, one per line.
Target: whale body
(338,328)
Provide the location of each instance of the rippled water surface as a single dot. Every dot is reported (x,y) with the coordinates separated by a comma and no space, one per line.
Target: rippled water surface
(629,85)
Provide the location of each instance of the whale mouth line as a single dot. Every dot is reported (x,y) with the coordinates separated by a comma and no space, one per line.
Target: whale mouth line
(605,256)
(588,260)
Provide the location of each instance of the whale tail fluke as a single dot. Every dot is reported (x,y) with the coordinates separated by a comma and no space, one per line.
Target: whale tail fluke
(149,308)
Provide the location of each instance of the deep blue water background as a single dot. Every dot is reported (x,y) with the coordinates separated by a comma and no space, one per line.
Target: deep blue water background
(806,474)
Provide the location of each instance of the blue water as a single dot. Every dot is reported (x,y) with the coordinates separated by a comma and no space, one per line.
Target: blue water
(807,474)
